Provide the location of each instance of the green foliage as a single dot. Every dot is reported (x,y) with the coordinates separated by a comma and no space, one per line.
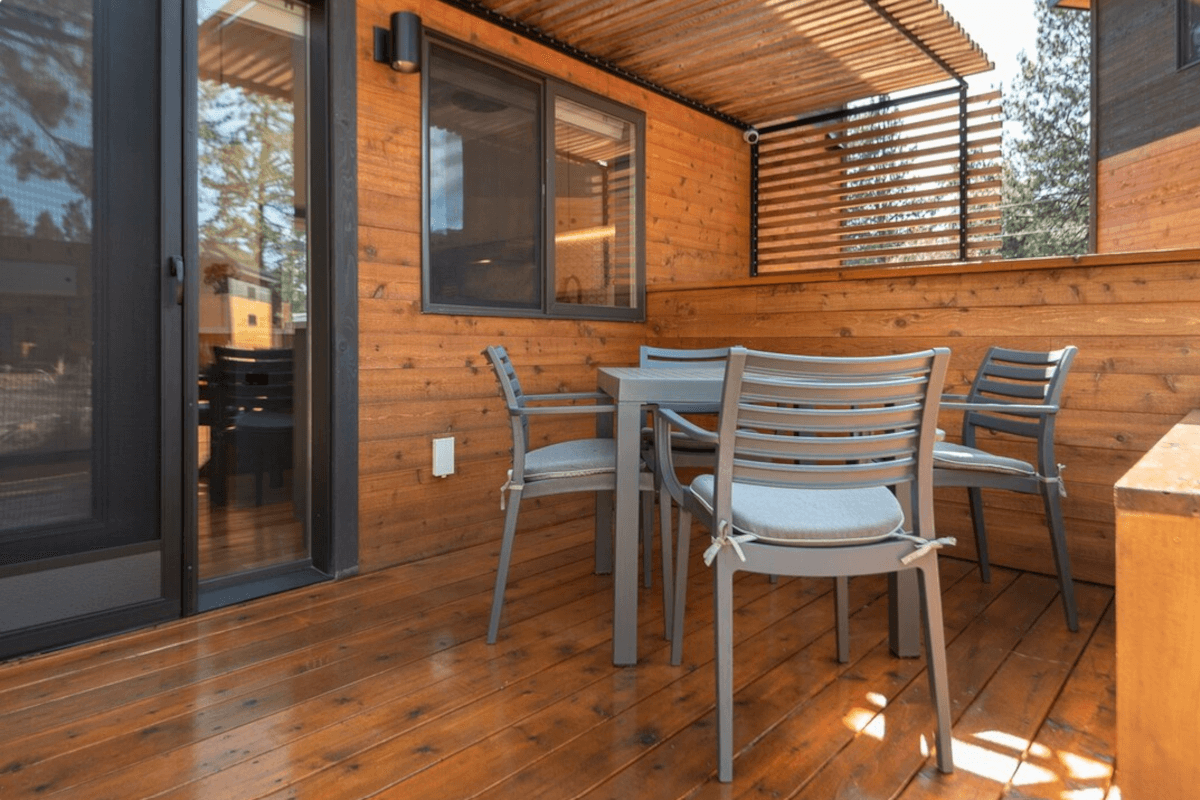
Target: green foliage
(1047,178)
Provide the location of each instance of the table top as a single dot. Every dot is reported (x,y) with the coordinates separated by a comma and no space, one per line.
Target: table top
(699,384)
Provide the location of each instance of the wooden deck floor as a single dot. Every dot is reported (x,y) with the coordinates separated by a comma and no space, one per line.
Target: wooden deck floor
(382,686)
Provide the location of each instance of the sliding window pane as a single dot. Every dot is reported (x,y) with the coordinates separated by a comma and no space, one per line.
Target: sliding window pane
(595,207)
(1189,31)
(484,185)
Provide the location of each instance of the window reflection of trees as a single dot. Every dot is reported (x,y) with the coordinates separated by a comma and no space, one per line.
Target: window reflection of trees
(46,191)
(249,216)
(46,119)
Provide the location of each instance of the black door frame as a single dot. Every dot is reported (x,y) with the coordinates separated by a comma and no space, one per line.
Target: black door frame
(86,558)
(333,314)
(334,354)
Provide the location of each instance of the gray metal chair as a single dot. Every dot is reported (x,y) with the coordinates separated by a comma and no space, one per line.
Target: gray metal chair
(811,455)
(688,452)
(1015,392)
(578,465)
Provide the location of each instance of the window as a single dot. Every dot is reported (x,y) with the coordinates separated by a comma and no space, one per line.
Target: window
(1189,31)
(511,230)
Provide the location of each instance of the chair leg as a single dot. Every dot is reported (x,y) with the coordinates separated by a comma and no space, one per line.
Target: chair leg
(666,534)
(682,545)
(506,544)
(841,604)
(975,496)
(647,539)
(217,489)
(935,657)
(723,643)
(1062,560)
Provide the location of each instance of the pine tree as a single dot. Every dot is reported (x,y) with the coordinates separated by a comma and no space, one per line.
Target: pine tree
(247,190)
(11,223)
(1047,180)
(46,104)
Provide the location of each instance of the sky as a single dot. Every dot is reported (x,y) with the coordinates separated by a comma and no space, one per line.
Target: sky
(1002,29)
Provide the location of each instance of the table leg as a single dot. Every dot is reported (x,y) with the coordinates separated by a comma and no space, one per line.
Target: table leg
(625,533)
(904,621)
(604,509)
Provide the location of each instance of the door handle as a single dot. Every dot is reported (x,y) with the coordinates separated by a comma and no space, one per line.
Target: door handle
(175,267)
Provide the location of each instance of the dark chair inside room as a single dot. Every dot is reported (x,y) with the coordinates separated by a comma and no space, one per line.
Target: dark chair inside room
(251,417)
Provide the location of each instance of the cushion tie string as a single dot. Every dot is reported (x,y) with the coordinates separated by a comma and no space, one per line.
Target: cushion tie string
(509,486)
(1062,487)
(923,545)
(723,539)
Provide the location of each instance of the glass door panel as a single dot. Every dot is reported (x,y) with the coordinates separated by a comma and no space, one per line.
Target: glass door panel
(253,315)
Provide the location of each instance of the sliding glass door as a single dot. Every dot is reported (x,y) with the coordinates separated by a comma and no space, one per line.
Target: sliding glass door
(253,353)
(166,299)
(90,326)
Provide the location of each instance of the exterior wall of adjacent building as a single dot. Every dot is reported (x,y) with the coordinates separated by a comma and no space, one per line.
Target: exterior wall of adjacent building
(1147,129)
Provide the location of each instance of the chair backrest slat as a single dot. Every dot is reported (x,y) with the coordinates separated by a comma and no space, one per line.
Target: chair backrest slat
(1020,377)
(676,357)
(253,380)
(650,357)
(819,422)
(514,397)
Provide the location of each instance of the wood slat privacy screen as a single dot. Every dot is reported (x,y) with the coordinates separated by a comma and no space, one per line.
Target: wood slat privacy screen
(886,185)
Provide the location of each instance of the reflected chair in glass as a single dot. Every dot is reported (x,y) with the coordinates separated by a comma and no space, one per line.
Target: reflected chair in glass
(1015,393)
(250,412)
(813,457)
(576,465)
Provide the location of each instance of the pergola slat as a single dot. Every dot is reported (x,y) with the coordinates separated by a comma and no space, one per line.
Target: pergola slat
(757,60)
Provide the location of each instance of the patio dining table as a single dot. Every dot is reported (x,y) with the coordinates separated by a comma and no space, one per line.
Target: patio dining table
(634,389)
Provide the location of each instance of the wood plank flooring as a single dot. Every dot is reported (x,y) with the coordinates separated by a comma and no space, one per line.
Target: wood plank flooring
(240,535)
(382,686)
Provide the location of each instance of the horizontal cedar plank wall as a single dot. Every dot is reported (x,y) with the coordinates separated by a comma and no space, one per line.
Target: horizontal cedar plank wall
(1146,197)
(422,376)
(1135,319)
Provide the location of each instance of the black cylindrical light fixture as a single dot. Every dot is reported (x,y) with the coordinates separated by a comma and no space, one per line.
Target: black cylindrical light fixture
(406,41)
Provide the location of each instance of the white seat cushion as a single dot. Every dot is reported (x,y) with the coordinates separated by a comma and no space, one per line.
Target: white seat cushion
(947,455)
(571,459)
(809,516)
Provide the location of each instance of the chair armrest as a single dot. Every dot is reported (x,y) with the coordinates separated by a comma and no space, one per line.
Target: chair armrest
(560,397)
(664,420)
(606,405)
(688,428)
(546,410)
(1015,409)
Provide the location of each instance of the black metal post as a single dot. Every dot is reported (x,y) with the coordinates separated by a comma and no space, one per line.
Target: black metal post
(962,172)
(754,208)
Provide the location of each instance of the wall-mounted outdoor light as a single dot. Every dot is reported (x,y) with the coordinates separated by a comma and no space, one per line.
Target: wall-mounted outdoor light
(400,44)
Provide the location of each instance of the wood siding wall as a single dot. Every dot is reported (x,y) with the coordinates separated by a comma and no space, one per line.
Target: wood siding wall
(1147,129)
(1134,319)
(422,376)
(1146,197)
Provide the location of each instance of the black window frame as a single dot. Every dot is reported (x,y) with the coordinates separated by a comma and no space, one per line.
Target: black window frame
(1188,52)
(551,88)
